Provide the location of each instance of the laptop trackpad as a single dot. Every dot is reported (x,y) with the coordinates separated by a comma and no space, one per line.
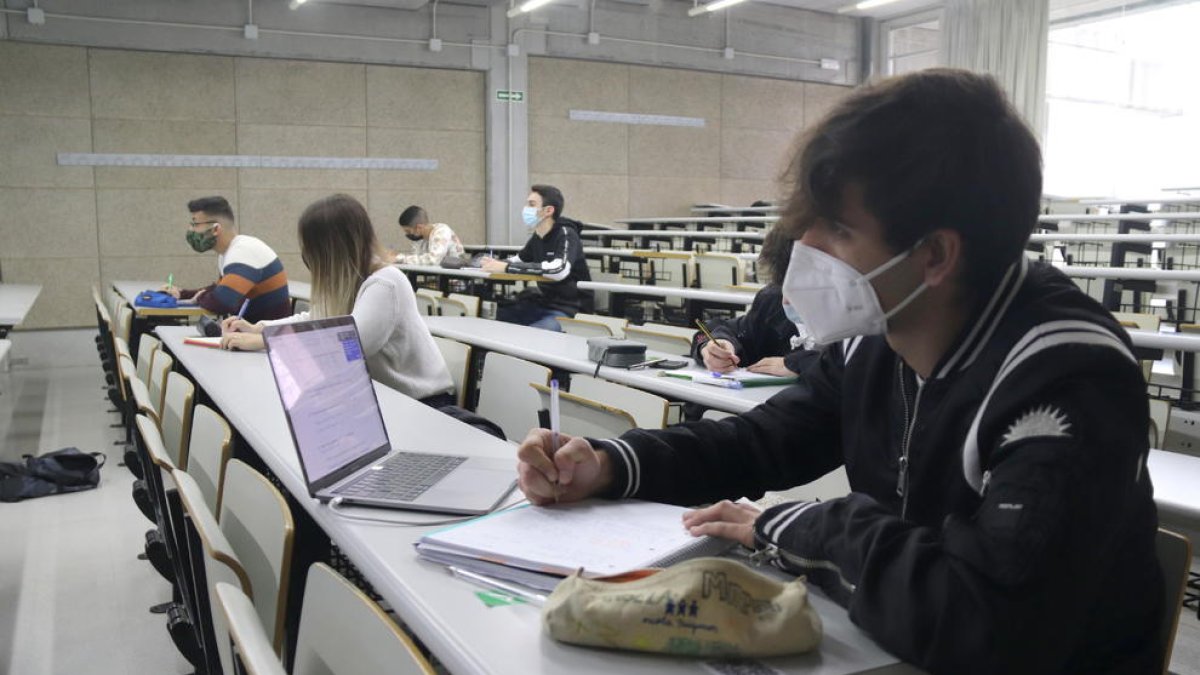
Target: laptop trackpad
(470,487)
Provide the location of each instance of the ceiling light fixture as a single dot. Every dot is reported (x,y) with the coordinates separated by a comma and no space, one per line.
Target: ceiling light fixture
(296,3)
(864,5)
(712,7)
(527,6)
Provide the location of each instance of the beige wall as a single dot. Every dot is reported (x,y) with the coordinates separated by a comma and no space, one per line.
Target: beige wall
(69,227)
(608,170)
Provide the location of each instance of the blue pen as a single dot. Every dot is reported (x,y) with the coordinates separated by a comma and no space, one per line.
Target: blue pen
(554,427)
(242,311)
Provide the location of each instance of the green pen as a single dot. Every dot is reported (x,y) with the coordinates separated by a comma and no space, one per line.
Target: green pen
(171,280)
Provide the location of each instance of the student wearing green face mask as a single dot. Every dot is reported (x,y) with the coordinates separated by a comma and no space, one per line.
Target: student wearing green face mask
(248,268)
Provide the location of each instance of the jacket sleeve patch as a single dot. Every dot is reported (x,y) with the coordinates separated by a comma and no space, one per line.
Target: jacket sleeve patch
(1042,422)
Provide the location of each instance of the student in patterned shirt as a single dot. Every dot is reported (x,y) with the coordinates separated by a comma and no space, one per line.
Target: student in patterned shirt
(249,269)
(432,242)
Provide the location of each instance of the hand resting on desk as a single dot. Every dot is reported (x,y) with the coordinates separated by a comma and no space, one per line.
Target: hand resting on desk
(577,472)
(240,334)
(492,265)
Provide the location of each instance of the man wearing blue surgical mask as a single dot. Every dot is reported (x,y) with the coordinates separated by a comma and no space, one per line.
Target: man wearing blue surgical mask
(991,417)
(553,252)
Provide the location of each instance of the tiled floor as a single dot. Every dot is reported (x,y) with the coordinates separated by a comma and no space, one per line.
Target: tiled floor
(73,596)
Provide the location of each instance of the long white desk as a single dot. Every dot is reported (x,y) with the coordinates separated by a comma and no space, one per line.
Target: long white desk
(1175,477)
(1115,217)
(1132,238)
(699,220)
(1165,199)
(703,295)
(722,208)
(1185,342)
(569,352)
(443,611)
(15,302)
(131,289)
(682,234)
(1140,273)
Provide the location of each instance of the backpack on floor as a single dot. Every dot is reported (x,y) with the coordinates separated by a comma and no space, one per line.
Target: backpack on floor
(66,470)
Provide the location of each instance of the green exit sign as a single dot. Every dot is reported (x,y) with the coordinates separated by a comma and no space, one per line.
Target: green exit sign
(510,96)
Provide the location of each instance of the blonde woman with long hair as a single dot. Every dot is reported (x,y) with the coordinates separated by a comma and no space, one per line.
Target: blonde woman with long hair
(349,276)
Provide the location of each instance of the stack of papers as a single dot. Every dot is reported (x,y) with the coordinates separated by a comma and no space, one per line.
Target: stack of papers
(538,545)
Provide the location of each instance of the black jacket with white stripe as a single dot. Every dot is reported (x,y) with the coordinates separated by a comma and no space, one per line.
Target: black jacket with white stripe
(558,257)
(1001,518)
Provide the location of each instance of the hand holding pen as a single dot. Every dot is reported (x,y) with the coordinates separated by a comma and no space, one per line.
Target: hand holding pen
(719,355)
(236,324)
(169,288)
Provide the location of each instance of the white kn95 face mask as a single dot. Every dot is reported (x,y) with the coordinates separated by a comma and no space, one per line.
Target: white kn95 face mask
(836,301)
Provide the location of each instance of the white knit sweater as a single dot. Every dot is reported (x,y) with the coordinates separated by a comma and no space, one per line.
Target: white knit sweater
(400,351)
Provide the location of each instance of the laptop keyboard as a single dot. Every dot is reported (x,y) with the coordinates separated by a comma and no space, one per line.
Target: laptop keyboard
(403,477)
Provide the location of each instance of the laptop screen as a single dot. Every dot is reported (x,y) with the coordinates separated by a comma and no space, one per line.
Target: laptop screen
(327,393)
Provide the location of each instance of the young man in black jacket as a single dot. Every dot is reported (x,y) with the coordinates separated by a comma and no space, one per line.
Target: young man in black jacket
(991,417)
(554,252)
(768,338)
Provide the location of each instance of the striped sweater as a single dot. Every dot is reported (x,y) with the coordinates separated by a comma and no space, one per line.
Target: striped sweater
(249,269)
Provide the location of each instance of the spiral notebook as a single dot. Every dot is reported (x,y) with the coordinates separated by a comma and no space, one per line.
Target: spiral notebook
(601,537)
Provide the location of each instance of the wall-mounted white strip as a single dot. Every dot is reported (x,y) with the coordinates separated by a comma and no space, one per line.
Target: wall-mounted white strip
(634,118)
(245,161)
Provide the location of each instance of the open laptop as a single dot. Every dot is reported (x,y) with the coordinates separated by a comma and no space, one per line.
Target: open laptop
(327,394)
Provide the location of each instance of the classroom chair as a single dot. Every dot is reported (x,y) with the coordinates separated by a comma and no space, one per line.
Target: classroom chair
(176,418)
(650,411)
(103,331)
(160,365)
(147,346)
(1160,421)
(616,324)
(579,416)
(208,452)
(160,543)
(452,307)
(211,560)
(124,315)
(681,331)
(341,631)
(504,397)
(470,302)
(427,300)
(258,524)
(251,547)
(719,271)
(120,394)
(659,341)
(1175,557)
(457,356)
(166,544)
(1148,322)
(583,328)
(136,403)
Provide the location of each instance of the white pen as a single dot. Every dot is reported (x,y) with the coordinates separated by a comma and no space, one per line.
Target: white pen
(554,428)
(497,585)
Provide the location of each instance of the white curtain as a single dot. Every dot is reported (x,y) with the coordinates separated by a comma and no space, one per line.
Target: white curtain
(1008,39)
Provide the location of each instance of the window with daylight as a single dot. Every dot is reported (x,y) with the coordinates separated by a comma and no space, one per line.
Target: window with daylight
(1123,110)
